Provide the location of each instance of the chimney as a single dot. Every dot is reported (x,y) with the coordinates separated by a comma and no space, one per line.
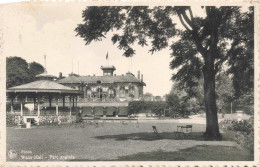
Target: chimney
(142,77)
(138,75)
(60,75)
(94,75)
(114,74)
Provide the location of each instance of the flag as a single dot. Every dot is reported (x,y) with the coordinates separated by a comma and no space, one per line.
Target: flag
(107,56)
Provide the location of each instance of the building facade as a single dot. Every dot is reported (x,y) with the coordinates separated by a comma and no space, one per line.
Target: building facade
(109,87)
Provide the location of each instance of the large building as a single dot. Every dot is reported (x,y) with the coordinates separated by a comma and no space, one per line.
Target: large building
(109,87)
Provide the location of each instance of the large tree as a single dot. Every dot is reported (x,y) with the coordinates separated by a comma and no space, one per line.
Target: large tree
(35,69)
(203,46)
(17,72)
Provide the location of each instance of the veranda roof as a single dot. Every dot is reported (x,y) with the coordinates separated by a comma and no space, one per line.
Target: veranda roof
(43,86)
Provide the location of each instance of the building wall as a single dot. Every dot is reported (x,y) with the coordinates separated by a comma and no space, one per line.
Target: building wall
(123,91)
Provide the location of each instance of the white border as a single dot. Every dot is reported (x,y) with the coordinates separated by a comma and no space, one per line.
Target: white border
(139,163)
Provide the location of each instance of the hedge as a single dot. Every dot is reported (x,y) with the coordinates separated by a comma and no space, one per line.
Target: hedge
(157,107)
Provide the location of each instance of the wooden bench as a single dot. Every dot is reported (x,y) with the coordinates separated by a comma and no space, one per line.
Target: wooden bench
(184,131)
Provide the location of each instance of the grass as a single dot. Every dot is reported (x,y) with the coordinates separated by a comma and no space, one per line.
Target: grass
(201,152)
(115,141)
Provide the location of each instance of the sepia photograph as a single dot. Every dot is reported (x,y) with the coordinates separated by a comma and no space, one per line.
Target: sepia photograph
(109,83)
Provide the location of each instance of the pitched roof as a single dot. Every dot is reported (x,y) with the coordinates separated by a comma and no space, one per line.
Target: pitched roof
(43,86)
(103,79)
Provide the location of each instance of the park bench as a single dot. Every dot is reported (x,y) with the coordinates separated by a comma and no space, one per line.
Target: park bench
(184,131)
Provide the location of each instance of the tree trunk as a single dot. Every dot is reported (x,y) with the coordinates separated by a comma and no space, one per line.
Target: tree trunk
(212,128)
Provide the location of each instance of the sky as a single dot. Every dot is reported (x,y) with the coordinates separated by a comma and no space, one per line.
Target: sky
(32,30)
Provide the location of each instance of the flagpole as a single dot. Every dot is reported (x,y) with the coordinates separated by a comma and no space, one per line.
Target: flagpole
(45,62)
(107,58)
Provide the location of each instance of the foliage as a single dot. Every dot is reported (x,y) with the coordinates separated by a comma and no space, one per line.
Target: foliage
(147,97)
(16,106)
(202,49)
(181,104)
(22,120)
(245,140)
(157,107)
(64,120)
(224,92)
(55,120)
(226,124)
(242,61)
(47,120)
(246,103)
(10,120)
(19,72)
(78,118)
(244,132)
(35,69)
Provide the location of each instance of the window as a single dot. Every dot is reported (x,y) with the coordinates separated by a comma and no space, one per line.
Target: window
(99,93)
(122,92)
(111,93)
(131,90)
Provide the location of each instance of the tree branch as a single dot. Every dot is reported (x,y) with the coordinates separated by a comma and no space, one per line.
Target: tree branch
(186,18)
(191,15)
(182,22)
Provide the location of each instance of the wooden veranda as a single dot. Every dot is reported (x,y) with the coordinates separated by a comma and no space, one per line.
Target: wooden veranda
(43,88)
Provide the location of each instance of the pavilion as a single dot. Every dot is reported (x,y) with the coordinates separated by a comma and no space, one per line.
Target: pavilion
(44,87)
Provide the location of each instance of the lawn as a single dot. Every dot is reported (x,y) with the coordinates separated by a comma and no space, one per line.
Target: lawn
(201,152)
(117,141)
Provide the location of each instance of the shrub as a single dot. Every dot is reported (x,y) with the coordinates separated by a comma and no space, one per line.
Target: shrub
(78,118)
(226,125)
(22,120)
(10,120)
(243,126)
(65,120)
(245,140)
(47,120)
(156,107)
(244,132)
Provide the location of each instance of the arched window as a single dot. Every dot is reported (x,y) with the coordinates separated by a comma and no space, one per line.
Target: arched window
(111,93)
